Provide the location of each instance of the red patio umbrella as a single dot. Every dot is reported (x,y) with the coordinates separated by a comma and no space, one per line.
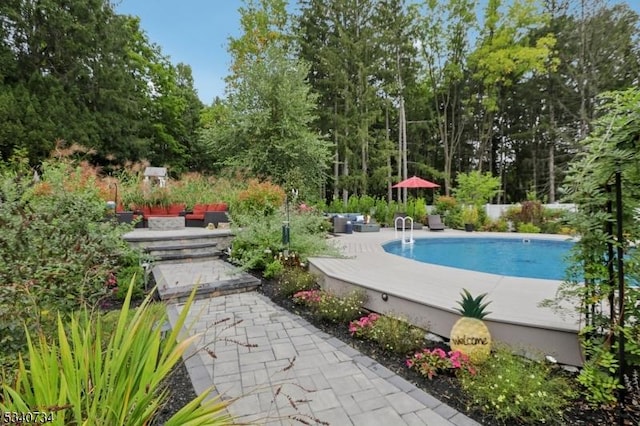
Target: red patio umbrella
(415,182)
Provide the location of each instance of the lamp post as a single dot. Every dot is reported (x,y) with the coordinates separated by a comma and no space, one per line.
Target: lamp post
(115,185)
(286,234)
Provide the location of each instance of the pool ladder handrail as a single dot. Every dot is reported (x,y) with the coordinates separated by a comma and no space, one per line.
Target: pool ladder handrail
(404,220)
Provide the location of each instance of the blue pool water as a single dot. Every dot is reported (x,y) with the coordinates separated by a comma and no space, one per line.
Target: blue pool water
(531,258)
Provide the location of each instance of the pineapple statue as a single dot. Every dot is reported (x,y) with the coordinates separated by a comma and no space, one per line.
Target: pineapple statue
(470,334)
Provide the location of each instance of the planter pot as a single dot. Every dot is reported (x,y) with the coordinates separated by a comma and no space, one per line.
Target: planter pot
(468,227)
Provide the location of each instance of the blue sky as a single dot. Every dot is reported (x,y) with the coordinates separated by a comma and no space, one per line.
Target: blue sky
(194,32)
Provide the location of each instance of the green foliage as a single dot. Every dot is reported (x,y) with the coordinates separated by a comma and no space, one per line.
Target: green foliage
(476,188)
(550,227)
(94,79)
(117,380)
(293,280)
(56,252)
(257,243)
(498,225)
(469,215)
(599,380)
(417,209)
(394,334)
(609,151)
(513,388)
(450,211)
(528,228)
(273,269)
(133,274)
(267,131)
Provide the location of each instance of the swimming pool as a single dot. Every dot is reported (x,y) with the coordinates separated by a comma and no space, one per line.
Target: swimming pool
(517,257)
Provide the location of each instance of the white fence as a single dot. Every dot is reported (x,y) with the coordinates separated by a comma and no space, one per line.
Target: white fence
(495,210)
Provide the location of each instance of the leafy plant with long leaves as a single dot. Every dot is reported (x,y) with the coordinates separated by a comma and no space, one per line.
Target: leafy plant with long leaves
(82,380)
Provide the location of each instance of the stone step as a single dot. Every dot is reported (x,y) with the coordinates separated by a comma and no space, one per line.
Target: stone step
(212,277)
(184,257)
(184,251)
(189,238)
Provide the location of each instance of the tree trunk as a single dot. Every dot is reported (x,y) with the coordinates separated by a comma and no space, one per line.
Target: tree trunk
(345,173)
(387,133)
(552,175)
(336,159)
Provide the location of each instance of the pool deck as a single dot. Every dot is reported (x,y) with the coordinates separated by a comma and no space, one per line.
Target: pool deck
(427,294)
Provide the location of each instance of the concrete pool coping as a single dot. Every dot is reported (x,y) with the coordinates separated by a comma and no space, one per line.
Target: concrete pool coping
(427,294)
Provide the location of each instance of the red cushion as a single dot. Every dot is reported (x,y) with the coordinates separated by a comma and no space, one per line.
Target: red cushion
(195,216)
(199,209)
(217,207)
(175,209)
(158,210)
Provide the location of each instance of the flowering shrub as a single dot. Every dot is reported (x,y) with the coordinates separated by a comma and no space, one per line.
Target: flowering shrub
(361,328)
(293,280)
(429,362)
(395,335)
(330,307)
(310,298)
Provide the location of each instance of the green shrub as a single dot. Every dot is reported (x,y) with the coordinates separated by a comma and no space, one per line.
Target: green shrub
(380,211)
(550,227)
(395,334)
(293,280)
(528,228)
(115,381)
(449,210)
(130,274)
(417,209)
(513,388)
(56,252)
(273,269)
(353,204)
(256,244)
(336,206)
(498,225)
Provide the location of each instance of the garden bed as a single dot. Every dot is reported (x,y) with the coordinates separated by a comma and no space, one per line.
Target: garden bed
(447,387)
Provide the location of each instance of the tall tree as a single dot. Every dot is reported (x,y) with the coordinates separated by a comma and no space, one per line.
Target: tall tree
(446,28)
(266,128)
(506,55)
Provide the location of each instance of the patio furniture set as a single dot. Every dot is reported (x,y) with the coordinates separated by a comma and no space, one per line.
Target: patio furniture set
(201,215)
(346,223)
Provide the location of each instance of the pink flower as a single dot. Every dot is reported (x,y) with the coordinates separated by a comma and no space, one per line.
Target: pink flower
(439,352)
